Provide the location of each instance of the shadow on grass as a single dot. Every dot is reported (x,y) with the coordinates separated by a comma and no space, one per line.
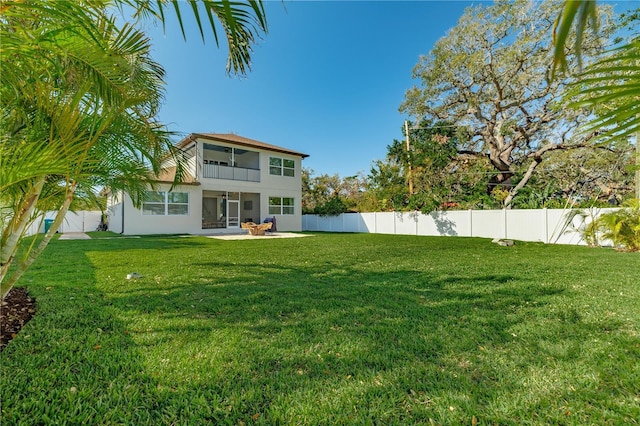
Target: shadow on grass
(75,362)
(336,330)
(202,339)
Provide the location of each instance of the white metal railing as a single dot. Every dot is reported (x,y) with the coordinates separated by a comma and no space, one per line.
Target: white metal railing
(216,171)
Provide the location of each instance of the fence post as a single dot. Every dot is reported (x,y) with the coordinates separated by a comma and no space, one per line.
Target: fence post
(375,222)
(545,221)
(470,222)
(504,229)
(395,221)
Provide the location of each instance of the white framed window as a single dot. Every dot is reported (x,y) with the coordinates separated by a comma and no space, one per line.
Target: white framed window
(281,205)
(282,166)
(162,203)
(154,204)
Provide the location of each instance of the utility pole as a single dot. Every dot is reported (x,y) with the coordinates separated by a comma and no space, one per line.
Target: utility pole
(410,174)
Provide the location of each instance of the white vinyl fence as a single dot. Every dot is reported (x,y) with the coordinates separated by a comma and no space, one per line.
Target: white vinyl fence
(553,226)
(81,221)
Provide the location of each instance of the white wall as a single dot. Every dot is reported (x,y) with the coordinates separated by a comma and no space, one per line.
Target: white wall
(281,186)
(137,223)
(544,225)
(269,186)
(82,221)
(114,212)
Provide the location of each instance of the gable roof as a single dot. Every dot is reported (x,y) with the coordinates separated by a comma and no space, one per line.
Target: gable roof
(238,140)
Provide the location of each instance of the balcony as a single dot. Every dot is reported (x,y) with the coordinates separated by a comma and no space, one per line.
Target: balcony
(217,171)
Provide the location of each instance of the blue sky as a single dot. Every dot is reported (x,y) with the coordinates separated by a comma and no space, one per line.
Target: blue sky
(327,79)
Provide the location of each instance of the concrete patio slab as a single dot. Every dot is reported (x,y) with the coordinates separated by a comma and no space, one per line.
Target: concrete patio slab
(257,237)
(74,236)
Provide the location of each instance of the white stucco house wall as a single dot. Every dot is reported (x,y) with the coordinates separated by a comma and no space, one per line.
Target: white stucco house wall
(230,179)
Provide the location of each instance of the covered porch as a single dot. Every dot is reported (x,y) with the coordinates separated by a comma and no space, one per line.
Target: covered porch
(223,210)
(225,162)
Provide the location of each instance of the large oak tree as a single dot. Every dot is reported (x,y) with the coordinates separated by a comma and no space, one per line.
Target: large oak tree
(493,74)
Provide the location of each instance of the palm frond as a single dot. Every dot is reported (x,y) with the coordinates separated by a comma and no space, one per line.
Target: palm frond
(611,88)
(243,23)
(578,12)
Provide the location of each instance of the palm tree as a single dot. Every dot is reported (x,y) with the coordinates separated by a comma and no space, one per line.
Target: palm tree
(581,13)
(242,22)
(79,95)
(612,82)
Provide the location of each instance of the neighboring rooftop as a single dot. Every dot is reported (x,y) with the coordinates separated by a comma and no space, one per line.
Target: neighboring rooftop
(238,140)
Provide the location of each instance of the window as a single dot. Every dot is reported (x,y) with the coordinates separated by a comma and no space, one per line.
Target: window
(282,166)
(162,203)
(280,205)
(177,203)
(154,204)
(288,167)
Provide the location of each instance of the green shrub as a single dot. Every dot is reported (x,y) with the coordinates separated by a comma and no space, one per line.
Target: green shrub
(333,207)
(622,226)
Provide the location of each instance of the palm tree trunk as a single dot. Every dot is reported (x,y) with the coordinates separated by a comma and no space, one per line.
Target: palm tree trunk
(7,285)
(13,233)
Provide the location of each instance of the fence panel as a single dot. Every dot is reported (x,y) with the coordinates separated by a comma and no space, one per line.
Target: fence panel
(405,223)
(385,223)
(454,223)
(353,223)
(81,221)
(369,222)
(545,225)
(526,225)
(488,223)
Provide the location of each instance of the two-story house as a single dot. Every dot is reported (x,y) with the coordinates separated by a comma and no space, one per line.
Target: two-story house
(230,179)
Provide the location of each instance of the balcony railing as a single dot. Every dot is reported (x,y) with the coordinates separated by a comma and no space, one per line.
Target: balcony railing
(215,171)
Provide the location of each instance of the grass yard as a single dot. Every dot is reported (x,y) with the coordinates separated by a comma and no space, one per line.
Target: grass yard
(329,329)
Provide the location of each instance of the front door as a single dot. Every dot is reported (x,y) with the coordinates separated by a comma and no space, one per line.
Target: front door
(233,213)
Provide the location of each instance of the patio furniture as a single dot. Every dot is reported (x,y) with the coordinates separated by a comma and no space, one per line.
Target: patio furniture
(256,229)
(272,220)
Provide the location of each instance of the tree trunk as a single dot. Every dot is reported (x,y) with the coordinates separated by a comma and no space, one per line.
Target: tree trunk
(7,285)
(12,234)
(513,192)
(500,159)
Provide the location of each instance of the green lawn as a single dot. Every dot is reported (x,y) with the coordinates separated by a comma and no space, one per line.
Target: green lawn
(328,329)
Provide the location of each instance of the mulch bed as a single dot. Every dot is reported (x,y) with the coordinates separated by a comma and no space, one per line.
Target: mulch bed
(15,311)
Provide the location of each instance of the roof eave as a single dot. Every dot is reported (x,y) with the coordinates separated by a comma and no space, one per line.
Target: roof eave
(193,136)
